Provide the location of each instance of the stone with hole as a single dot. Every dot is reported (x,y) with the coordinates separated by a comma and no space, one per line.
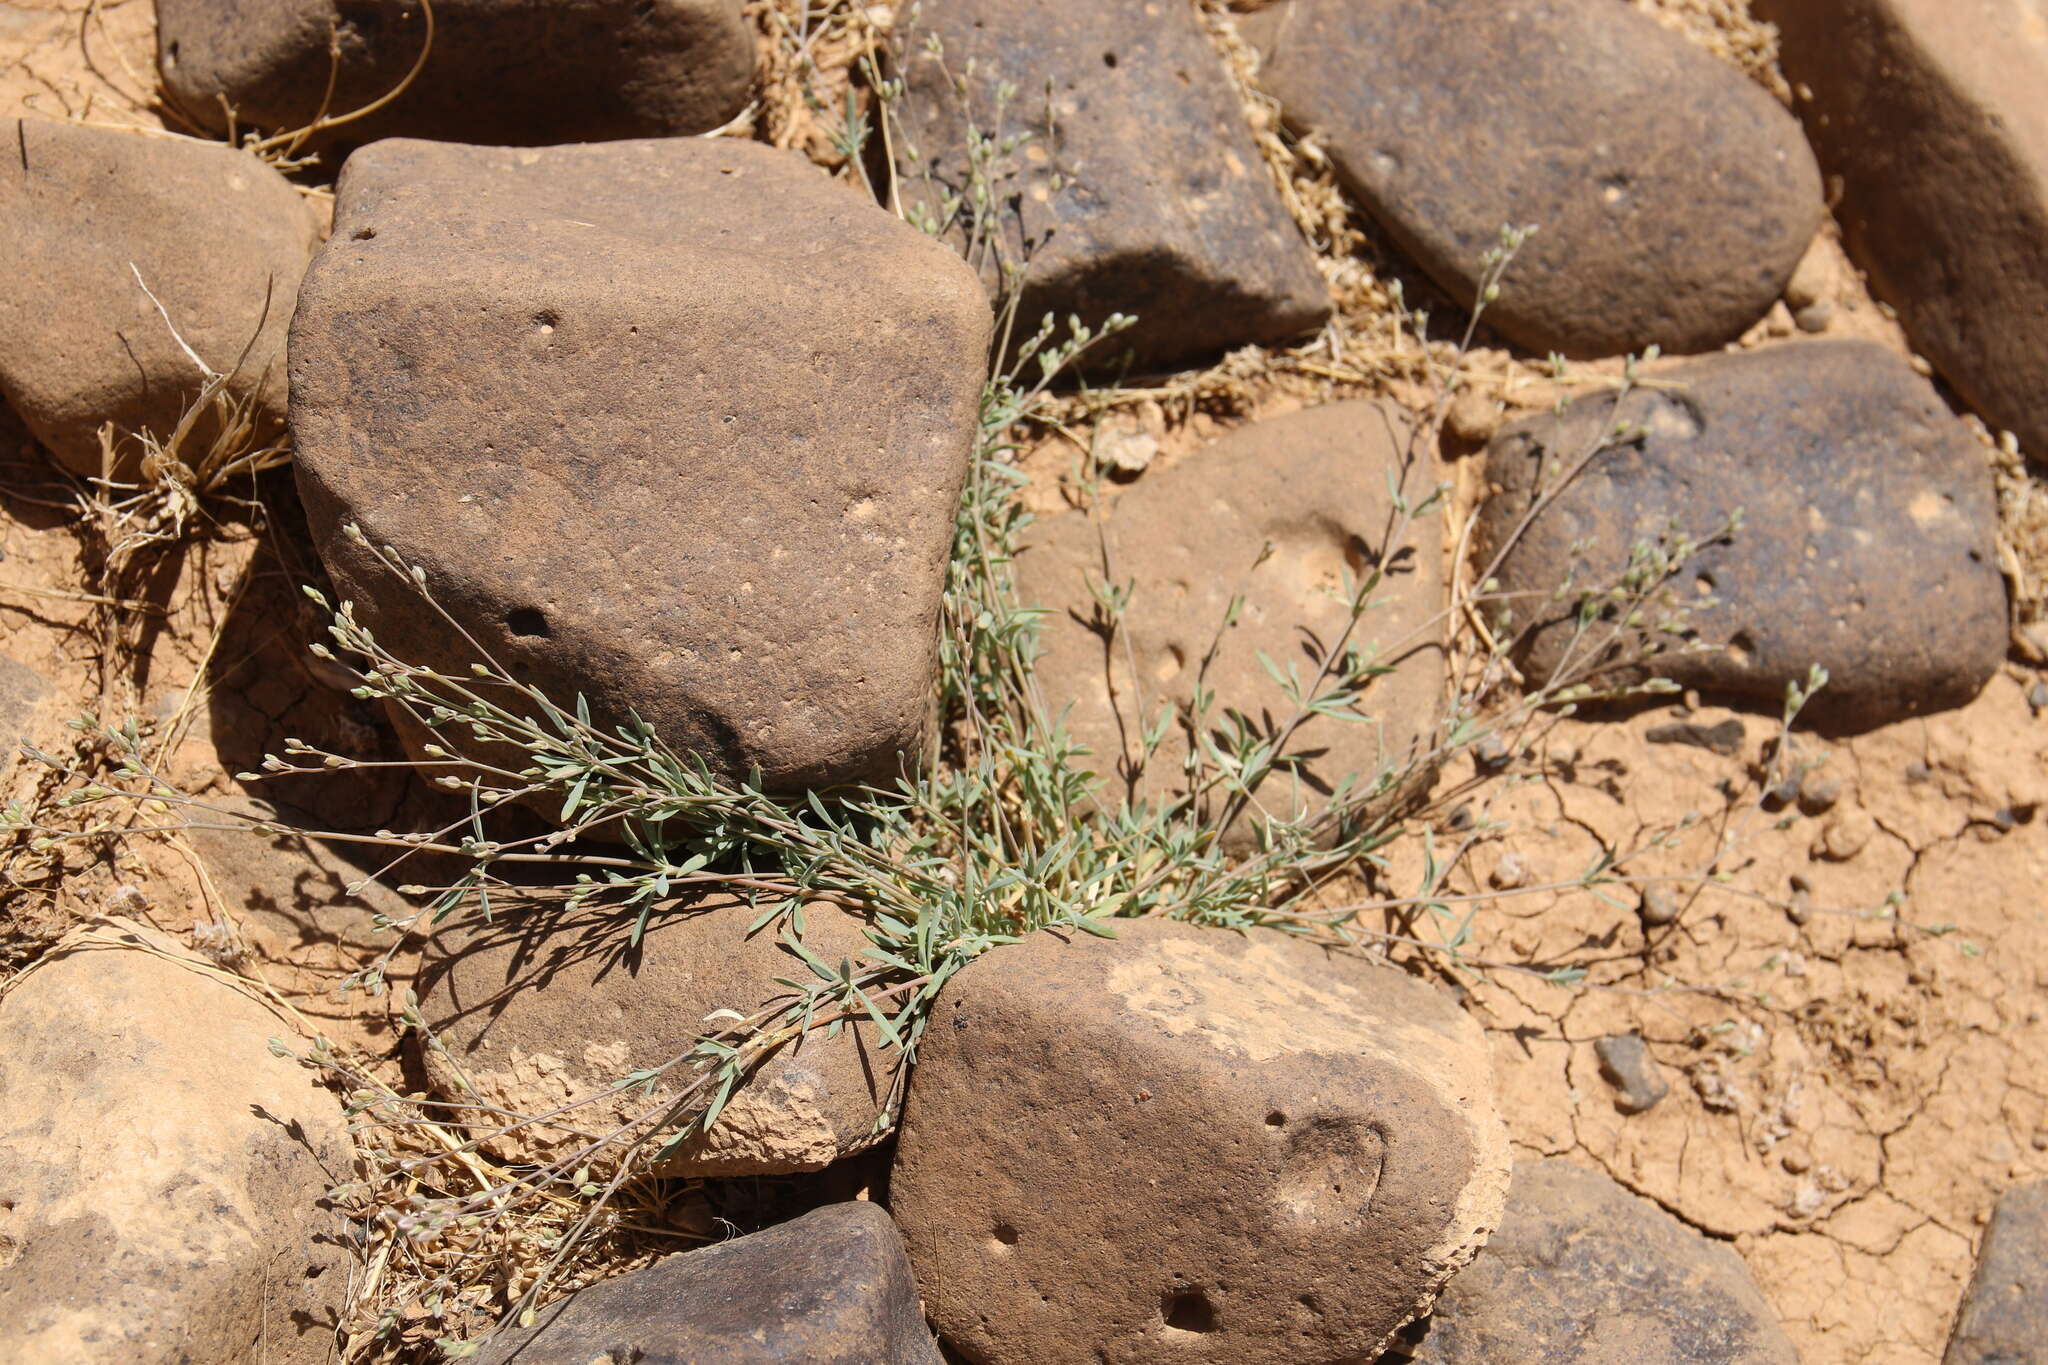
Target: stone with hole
(1929,120)
(830,1288)
(1136,187)
(109,217)
(1284,514)
(503,71)
(1582,1272)
(1866,542)
(1672,196)
(162,1174)
(2004,1318)
(1202,1147)
(676,426)
(544,1009)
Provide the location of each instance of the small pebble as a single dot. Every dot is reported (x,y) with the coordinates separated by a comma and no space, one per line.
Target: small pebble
(1491,754)
(2037,697)
(1511,872)
(1626,1063)
(1800,912)
(1796,1160)
(1918,771)
(1846,834)
(1473,417)
(1725,738)
(1659,907)
(1818,793)
(1815,317)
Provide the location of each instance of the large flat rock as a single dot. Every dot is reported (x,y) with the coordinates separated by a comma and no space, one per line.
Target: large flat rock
(1190,1146)
(212,232)
(1866,544)
(1672,196)
(679,426)
(163,1177)
(1930,119)
(1122,173)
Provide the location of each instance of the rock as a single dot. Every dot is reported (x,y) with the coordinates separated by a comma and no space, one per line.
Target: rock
(830,1288)
(214,234)
(162,1175)
(2004,1318)
(1584,1273)
(1866,543)
(1659,907)
(500,71)
(1725,738)
(1140,191)
(1279,512)
(1818,792)
(1203,1148)
(536,1010)
(1846,834)
(1629,1068)
(1926,116)
(1672,196)
(679,426)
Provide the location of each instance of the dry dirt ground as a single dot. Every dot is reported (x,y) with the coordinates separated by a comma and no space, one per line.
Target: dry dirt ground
(1849,1008)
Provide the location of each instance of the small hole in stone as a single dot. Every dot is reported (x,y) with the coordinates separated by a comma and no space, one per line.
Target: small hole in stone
(171,54)
(364,234)
(1742,649)
(527,622)
(1188,1310)
(1276,1119)
(1109,60)
(545,320)
(1006,1234)
(1703,585)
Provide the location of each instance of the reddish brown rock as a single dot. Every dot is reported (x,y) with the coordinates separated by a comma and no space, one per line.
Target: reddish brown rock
(1672,196)
(1279,513)
(2004,1319)
(1866,543)
(1139,190)
(1582,1272)
(1186,1145)
(830,1288)
(162,1174)
(212,232)
(679,426)
(536,1011)
(501,71)
(1929,120)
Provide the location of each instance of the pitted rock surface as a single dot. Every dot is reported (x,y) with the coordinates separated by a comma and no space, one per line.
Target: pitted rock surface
(1582,1272)
(679,426)
(499,71)
(1672,196)
(2004,1320)
(213,233)
(539,1010)
(1866,543)
(162,1175)
(1278,512)
(1140,190)
(1200,1147)
(1929,119)
(830,1288)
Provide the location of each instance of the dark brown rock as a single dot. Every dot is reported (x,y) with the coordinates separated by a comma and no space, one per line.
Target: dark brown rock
(1724,738)
(679,426)
(162,1175)
(213,232)
(830,1288)
(1186,1145)
(1140,191)
(1279,513)
(1627,1065)
(1672,196)
(1929,119)
(538,1010)
(1866,543)
(2004,1319)
(500,71)
(1584,1273)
